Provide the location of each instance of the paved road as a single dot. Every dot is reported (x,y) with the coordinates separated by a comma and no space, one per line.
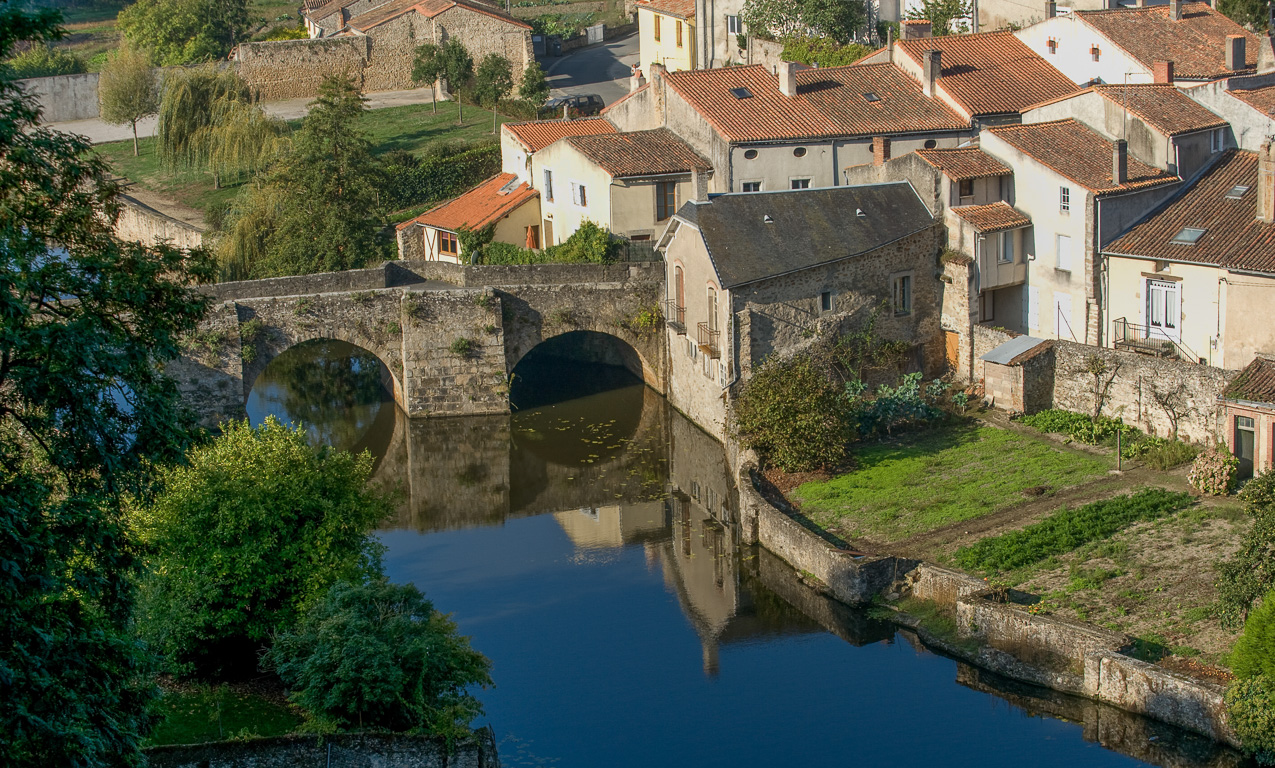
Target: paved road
(602,69)
(100,132)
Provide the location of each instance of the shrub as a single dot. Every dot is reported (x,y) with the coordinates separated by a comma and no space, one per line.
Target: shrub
(446,172)
(590,244)
(288,33)
(463,347)
(1081,427)
(1250,711)
(379,655)
(822,51)
(1214,471)
(1250,572)
(1167,454)
(1254,652)
(1067,529)
(793,415)
(43,61)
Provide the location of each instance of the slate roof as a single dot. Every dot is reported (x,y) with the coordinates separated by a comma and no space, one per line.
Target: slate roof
(1162,106)
(427,8)
(991,73)
(1194,43)
(1014,351)
(1261,99)
(640,153)
(682,9)
(994,217)
(829,102)
(1256,383)
(478,207)
(752,236)
(964,163)
(1077,152)
(538,134)
(1234,238)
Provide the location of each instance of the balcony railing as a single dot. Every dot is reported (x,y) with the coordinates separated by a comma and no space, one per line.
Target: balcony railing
(675,316)
(1148,341)
(708,341)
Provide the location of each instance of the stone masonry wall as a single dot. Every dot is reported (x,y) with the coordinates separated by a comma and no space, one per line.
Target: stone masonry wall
(441,379)
(141,223)
(291,69)
(210,375)
(379,750)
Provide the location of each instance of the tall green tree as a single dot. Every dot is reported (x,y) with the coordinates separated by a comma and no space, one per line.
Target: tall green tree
(493,81)
(427,67)
(534,87)
(1254,14)
(188,110)
(247,535)
(86,324)
(127,90)
(838,20)
(457,68)
(941,14)
(185,31)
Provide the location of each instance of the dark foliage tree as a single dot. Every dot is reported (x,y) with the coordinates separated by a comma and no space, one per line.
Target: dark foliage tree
(492,82)
(179,32)
(427,67)
(534,87)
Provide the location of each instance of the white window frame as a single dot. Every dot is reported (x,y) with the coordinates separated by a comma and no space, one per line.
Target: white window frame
(1217,140)
(579,195)
(548,185)
(1060,263)
(733,25)
(743,186)
(1006,255)
(1168,325)
(799,183)
(1064,199)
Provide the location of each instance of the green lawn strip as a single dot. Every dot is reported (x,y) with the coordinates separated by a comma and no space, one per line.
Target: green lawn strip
(930,479)
(219,713)
(1067,529)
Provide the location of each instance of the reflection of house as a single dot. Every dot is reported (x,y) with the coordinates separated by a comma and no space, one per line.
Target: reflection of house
(754,274)
(502,201)
(613,525)
(1249,410)
(1196,279)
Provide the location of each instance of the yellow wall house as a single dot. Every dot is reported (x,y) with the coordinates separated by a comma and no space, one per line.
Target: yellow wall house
(666,34)
(511,205)
(1196,280)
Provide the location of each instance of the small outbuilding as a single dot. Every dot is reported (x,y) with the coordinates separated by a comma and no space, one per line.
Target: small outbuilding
(1248,410)
(1018,375)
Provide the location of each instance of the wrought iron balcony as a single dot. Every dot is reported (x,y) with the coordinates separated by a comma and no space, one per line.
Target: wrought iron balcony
(1148,341)
(708,341)
(675,316)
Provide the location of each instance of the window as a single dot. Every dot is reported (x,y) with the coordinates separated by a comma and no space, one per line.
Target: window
(1063,252)
(548,233)
(1007,247)
(801,183)
(533,237)
(679,34)
(1237,192)
(799,152)
(548,186)
(825,301)
(903,295)
(733,27)
(447,243)
(1217,139)
(712,308)
(741,93)
(966,188)
(1064,198)
(986,306)
(1095,52)
(1052,45)
(1188,236)
(931,143)
(750,154)
(655,17)
(665,199)
(1163,314)
(578,195)
(871,97)
(751,186)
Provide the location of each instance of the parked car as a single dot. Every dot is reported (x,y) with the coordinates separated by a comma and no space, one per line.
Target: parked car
(581,105)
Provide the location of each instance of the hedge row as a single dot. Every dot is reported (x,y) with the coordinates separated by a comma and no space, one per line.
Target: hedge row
(441,176)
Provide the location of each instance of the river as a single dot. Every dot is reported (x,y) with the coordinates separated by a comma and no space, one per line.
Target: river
(586,544)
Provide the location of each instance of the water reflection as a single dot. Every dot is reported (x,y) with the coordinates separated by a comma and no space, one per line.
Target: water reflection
(590,547)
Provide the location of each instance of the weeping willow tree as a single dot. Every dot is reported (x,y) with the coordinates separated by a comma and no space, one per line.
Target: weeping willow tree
(239,138)
(254,217)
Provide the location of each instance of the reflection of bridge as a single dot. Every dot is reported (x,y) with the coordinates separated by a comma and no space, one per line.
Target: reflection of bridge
(450,336)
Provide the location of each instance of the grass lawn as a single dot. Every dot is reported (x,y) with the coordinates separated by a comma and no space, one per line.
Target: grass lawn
(926,480)
(414,128)
(215,714)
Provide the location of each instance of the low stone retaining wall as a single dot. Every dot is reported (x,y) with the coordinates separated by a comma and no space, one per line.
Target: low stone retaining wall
(371,750)
(1149,690)
(143,224)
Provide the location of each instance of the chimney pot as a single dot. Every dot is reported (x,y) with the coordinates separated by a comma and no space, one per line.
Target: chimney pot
(880,150)
(1175,9)
(931,66)
(1234,53)
(1051,9)
(699,185)
(787,72)
(1266,182)
(1162,72)
(1120,162)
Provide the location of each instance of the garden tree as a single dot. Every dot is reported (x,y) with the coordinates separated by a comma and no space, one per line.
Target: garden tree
(1254,653)
(456,67)
(941,14)
(492,82)
(839,20)
(127,89)
(1254,14)
(239,137)
(86,322)
(186,113)
(185,31)
(427,67)
(534,87)
(378,654)
(793,414)
(244,537)
(1250,711)
(1250,572)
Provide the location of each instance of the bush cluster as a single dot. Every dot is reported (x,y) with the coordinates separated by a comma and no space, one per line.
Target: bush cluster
(1214,471)
(43,61)
(590,244)
(1068,529)
(445,173)
(1250,572)
(1156,452)
(822,51)
(1250,711)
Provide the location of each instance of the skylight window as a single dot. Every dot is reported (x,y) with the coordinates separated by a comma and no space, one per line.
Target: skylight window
(741,93)
(1236,192)
(1188,236)
(870,96)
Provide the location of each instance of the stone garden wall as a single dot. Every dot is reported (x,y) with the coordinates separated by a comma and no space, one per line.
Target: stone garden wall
(336,751)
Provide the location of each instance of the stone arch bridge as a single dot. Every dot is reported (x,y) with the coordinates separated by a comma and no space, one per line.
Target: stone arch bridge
(449,335)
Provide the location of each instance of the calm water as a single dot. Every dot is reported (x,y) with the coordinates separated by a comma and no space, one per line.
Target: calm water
(588,548)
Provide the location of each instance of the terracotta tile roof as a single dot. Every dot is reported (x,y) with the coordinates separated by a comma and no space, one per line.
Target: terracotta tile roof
(964,163)
(992,72)
(538,134)
(682,9)
(320,12)
(829,102)
(478,207)
(427,8)
(1075,151)
(992,218)
(1233,236)
(1162,106)
(1194,43)
(1256,383)
(640,153)
(1261,99)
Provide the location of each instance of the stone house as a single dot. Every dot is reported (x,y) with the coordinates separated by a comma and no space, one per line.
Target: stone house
(751,275)
(1248,410)
(671,34)
(1194,279)
(793,130)
(629,184)
(519,142)
(504,201)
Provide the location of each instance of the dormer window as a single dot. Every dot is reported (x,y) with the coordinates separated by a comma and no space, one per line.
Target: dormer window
(1052,45)
(1095,52)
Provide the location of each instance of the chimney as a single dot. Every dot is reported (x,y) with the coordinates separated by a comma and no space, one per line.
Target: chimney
(915,29)
(1234,52)
(656,81)
(1266,182)
(1120,162)
(1175,9)
(1051,9)
(880,150)
(932,65)
(1162,72)
(699,185)
(787,78)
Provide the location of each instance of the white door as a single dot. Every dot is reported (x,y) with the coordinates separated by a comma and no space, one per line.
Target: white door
(1063,328)
(1064,252)
(1164,309)
(1033,308)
